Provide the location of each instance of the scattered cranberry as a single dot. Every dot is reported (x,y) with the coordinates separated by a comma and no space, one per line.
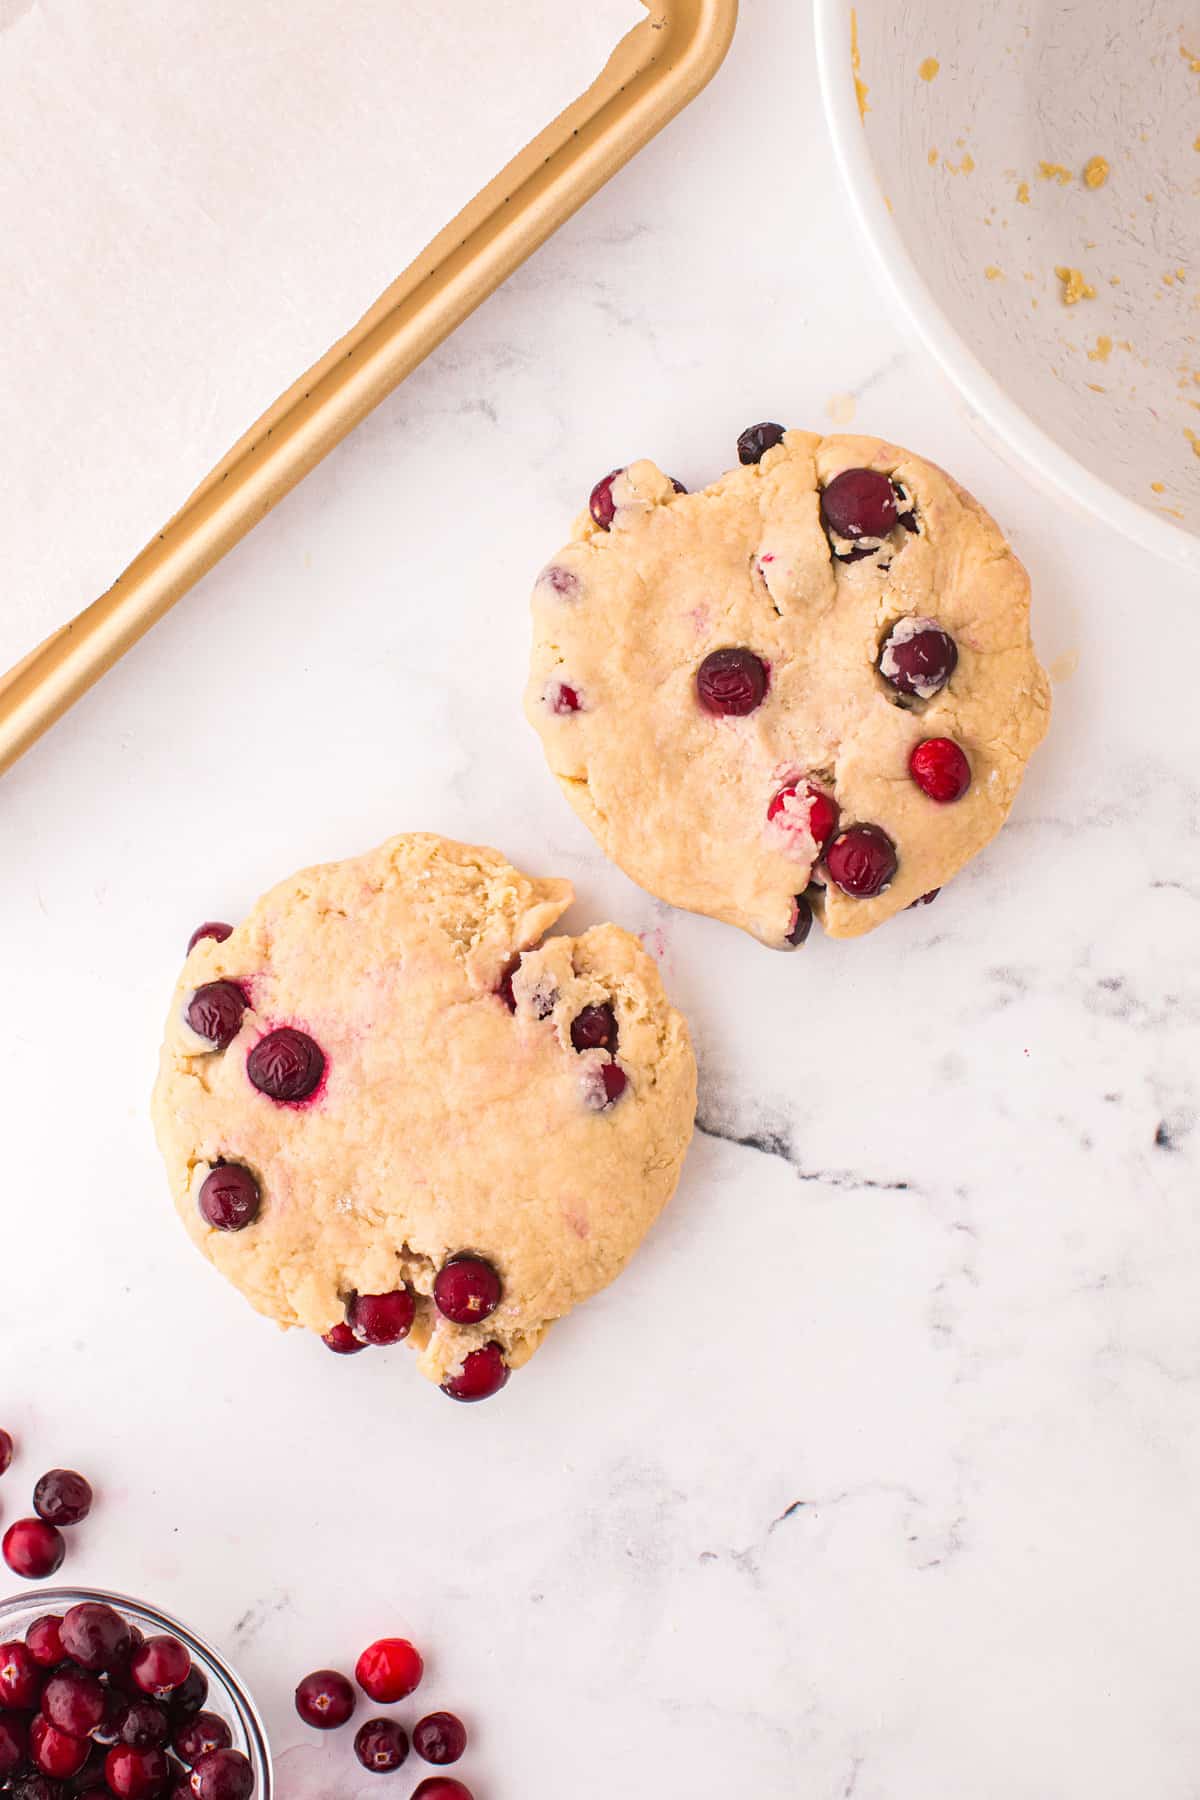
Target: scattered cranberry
(20,1678)
(95,1636)
(756,440)
(286,1064)
(14,1743)
(918,657)
(62,1497)
(74,1701)
(223,1775)
(801,924)
(159,1666)
(440,1738)
(201,1735)
(229,1197)
(595,1028)
(212,928)
(325,1700)
(467,1289)
(483,1374)
(108,1731)
(605,1085)
(214,1012)
(44,1642)
(190,1697)
(800,804)
(382,1319)
(120,1674)
(53,1751)
(33,1550)
(564,581)
(862,861)
(731,683)
(925,899)
(136,1774)
(381,1745)
(143,1725)
(505,986)
(601,504)
(6,1451)
(441,1787)
(562,699)
(342,1341)
(940,769)
(389,1670)
(859,503)
(37,1787)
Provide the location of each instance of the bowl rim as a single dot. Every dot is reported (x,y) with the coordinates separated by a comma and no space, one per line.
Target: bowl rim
(1053,464)
(39,1600)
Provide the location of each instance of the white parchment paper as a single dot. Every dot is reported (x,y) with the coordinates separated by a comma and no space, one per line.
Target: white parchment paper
(197,197)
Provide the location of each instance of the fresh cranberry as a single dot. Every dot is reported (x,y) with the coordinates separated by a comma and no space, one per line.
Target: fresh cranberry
(6,1451)
(33,1550)
(605,1084)
(200,1735)
(595,1028)
(143,1725)
(229,1197)
(94,1793)
(74,1701)
(601,504)
(342,1341)
(44,1641)
(439,1738)
(940,769)
(62,1497)
(382,1319)
(14,1743)
(214,1012)
(190,1697)
(862,861)
(159,1666)
(20,1678)
(483,1374)
(467,1289)
(800,805)
(381,1745)
(108,1731)
(389,1669)
(756,440)
(223,1775)
(286,1064)
(37,1787)
(859,503)
(211,928)
(325,1700)
(55,1752)
(95,1636)
(802,923)
(918,658)
(731,683)
(441,1787)
(136,1774)
(120,1673)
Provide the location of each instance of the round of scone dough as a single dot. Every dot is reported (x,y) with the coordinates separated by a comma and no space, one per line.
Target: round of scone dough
(712,670)
(451,1110)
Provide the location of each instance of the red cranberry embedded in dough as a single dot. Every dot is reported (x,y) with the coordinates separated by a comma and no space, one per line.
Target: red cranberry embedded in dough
(44,1642)
(918,657)
(211,928)
(678,486)
(95,1636)
(859,503)
(601,504)
(595,1028)
(562,699)
(75,1702)
(731,683)
(439,1738)
(20,1678)
(223,1775)
(229,1197)
(441,1787)
(604,1083)
(325,1700)
(381,1745)
(214,1012)
(756,440)
(55,1752)
(33,1550)
(467,1289)
(14,1743)
(62,1497)
(382,1319)
(564,582)
(286,1065)
(200,1736)
(925,899)
(389,1669)
(6,1451)
(800,805)
(159,1666)
(483,1374)
(801,923)
(940,769)
(862,860)
(342,1341)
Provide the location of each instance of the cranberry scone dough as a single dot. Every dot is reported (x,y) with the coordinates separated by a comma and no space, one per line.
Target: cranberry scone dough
(809,689)
(385,1068)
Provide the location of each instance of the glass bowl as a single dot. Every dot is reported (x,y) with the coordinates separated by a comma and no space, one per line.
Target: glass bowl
(227,1697)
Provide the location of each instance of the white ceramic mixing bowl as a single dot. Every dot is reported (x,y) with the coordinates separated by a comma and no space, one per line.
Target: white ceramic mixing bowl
(965,135)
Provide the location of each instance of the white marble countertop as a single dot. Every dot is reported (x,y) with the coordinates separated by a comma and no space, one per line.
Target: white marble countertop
(877,1472)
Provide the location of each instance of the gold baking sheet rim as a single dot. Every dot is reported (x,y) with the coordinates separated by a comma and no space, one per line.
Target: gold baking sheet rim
(654,72)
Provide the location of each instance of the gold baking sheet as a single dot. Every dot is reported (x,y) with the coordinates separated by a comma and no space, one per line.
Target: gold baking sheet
(657,69)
